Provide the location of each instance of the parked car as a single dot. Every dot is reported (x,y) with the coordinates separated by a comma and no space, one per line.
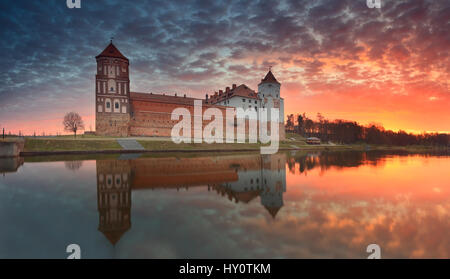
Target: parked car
(313,140)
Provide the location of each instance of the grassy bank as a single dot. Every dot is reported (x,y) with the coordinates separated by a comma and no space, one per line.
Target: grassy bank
(55,144)
(93,143)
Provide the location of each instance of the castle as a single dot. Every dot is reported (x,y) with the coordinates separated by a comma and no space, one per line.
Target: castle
(120,112)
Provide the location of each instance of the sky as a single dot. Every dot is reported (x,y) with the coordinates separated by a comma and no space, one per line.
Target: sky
(388,66)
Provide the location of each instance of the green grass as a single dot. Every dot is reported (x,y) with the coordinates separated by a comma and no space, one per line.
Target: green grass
(97,143)
(10,139)
(169,145)
(49,144)
(293,137)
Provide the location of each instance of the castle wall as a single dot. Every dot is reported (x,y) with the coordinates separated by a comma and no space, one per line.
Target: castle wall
(152,118)
(112,124)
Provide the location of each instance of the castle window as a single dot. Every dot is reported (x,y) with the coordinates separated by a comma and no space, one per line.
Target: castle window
(116,105)
(256,102)
(112,88)
(277,95)
(108,105)
(243,100)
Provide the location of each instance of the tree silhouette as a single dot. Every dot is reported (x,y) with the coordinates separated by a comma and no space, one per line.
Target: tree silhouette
(72,123)
(346,132)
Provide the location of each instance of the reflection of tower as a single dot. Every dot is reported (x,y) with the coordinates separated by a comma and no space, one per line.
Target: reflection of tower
(114,198)
(273,176)
(264,177)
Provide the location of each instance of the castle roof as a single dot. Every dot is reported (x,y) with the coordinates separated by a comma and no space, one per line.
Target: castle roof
(111,51)
(241,91)
(244,91)
(162,98)
(269,78)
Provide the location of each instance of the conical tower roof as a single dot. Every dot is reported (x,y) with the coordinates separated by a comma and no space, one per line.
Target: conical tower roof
(111,51)
(269,78)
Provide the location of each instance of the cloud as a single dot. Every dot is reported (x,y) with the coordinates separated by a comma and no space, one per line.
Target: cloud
(48,50)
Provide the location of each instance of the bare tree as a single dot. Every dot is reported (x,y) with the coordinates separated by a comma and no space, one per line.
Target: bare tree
(73,165)
(73,122)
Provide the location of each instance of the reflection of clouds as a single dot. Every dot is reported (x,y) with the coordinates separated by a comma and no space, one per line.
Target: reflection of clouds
(401,229)
(304,229)
(322,217)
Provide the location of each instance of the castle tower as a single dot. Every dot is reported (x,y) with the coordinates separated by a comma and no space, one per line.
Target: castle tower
(269,93)
(112,93)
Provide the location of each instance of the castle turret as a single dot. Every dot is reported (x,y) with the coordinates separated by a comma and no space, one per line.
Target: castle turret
(269,86)
(112,93)
(269,93)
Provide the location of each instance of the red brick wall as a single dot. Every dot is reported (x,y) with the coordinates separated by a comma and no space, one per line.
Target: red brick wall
(152,118)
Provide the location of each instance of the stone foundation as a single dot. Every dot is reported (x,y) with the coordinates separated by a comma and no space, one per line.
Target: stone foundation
(11,148)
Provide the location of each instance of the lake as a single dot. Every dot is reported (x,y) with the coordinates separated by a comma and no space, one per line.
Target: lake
(287,205)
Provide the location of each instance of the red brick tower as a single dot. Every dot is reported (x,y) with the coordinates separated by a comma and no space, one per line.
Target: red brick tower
(112,93)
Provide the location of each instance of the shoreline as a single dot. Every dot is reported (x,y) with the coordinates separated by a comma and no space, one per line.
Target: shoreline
(98,145)
(312,148)
(124,151)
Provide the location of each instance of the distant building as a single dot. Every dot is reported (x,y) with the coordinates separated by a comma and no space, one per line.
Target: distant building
(120,112)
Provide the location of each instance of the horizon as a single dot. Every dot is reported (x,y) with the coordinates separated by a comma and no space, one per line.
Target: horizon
(338,58)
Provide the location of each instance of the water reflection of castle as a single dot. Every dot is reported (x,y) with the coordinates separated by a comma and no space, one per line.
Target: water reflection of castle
(239,177)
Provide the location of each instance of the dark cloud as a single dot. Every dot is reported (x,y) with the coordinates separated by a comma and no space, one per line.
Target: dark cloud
(48,50)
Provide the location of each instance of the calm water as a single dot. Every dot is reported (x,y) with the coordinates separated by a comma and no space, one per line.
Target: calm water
(318,205)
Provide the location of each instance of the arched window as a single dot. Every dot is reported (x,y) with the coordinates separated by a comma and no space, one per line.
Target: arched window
(116,105)
(108,104)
